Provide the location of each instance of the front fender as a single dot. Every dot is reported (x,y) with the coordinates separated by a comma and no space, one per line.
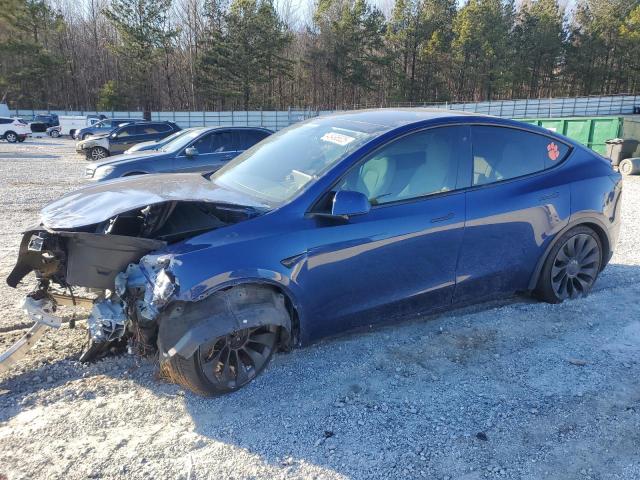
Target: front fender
(184,326)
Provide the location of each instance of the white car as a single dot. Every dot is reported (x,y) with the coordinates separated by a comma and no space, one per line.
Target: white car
(14,129)
(70,124)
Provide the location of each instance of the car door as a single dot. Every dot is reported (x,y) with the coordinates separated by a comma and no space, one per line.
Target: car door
(123,138)
(213,150)
(401,256)
(516,205)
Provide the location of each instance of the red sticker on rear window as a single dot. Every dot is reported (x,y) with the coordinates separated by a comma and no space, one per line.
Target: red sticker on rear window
(553,151)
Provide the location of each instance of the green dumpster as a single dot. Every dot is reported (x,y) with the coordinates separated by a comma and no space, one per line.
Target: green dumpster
(590,131)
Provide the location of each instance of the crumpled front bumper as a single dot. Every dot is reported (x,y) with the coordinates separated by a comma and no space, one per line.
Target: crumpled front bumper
(41,312)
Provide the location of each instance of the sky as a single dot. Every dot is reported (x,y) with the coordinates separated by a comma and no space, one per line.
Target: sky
(295,12)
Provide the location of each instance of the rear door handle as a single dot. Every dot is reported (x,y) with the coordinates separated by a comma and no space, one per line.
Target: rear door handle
(443,218)
(549,196)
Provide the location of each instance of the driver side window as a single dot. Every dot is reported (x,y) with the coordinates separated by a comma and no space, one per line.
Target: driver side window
(417,165)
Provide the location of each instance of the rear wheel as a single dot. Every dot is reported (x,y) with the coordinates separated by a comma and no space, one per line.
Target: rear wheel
(97,153)
(572,266)
(11,137)
(226,363)
(55,133)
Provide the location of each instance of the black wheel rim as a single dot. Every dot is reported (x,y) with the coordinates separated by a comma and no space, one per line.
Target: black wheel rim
(575,267)
(234,360)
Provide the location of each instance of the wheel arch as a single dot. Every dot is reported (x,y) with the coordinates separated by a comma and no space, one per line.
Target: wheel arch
(178,338)
(594,224)
(134,172)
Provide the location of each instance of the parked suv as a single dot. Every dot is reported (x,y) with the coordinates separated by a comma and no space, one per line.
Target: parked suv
(103,126)
(203,149)
(124,137)
(13,129)
(49,119)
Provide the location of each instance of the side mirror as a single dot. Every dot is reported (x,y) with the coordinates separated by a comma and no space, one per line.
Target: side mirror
(191,152)
(347,203)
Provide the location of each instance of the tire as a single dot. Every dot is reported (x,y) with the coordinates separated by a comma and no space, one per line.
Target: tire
(572,266)
(629,166)
(55,133)
(95,154)
(72,132)
(11,137)
(21,139)
(214,369)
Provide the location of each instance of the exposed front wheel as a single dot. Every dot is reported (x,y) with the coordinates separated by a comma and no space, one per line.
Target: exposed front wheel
(11,137)
(97,153)
(572,266)
(226,363)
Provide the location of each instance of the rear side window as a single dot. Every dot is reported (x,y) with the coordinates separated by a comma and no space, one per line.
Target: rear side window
(127,131)
(5,120)
(501,153)
(149,129)
(163,127)
(248,138)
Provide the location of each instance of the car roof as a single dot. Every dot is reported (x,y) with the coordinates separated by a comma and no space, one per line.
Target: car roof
(222,127)
(387,119)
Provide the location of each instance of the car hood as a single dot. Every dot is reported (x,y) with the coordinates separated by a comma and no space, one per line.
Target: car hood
(125,158)
(97,203)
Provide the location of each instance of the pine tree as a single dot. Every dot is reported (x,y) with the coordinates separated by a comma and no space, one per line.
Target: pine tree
(143,30)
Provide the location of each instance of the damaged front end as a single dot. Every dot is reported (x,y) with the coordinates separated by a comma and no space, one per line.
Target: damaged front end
(119,266)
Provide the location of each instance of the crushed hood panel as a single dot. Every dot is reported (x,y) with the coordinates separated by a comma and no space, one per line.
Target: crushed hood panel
(97,203)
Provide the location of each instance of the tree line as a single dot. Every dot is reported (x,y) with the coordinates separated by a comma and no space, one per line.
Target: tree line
(250,54)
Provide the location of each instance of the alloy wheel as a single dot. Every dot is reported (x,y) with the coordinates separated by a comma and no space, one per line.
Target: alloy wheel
(233,360)
(11,137)
(575,267)
(98,154)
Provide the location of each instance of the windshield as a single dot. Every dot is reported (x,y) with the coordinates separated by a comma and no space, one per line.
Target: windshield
(182,141)
(283,164)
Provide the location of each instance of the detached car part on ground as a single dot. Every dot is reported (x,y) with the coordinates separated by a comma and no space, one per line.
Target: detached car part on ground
(332,224)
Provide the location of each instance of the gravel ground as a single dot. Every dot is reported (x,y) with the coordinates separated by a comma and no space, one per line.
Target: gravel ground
(510,390)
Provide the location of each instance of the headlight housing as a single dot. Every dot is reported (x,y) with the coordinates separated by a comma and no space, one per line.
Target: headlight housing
(102,172)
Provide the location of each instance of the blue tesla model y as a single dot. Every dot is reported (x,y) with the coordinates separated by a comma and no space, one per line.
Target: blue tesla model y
(332,224)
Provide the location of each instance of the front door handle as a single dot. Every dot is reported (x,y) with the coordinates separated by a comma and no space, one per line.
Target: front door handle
(549,196)
(443,218)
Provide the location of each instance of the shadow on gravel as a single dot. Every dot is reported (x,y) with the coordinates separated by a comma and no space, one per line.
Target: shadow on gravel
(21,155)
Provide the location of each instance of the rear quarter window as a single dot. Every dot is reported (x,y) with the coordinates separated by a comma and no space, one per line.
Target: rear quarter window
(502,153)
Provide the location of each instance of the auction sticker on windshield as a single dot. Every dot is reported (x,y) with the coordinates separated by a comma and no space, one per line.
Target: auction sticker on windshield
(337,138)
